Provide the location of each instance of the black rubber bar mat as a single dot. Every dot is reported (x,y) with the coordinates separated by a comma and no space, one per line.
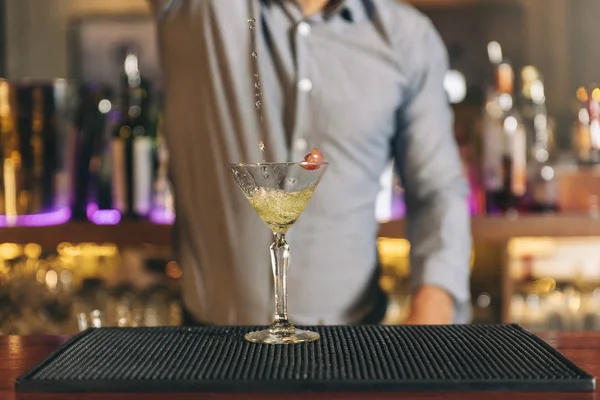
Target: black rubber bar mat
(362,358)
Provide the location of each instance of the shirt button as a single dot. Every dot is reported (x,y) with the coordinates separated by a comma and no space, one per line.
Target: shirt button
(300,144)
(303,29)
(305,85)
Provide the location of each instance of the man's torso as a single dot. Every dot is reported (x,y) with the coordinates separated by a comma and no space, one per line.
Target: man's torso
(335,84)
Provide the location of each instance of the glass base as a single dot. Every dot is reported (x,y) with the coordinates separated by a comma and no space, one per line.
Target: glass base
(268,337)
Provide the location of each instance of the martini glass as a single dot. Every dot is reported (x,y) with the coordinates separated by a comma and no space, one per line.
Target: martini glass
(279,192)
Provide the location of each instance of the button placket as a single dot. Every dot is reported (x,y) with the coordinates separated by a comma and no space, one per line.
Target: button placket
(303,28)
(300,145)
(305,85)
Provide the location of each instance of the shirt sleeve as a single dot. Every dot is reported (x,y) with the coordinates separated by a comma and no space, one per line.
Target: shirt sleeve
(436,190)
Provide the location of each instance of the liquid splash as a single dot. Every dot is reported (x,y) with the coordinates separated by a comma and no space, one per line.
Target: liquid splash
(261,147)
(265,172)
(257,85)
(257,89)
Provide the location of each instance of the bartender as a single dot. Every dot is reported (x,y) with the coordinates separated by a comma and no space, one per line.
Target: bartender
(362,81)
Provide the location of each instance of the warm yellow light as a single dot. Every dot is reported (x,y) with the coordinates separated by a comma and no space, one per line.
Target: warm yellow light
(582,94)
(64,248)
(530,73)
(14,346)
(4,99)
(536,247)
(8,251)
(596,94)
(51,279)
(32,250)
(544,286)
(10,191)
(395,246)
(387,283)
(66,277)
(40,275)
(393,255)
(106,250)
(66,261)
(73,251)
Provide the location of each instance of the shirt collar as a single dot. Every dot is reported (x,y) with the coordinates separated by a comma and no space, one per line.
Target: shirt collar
(350,10)
(347,9)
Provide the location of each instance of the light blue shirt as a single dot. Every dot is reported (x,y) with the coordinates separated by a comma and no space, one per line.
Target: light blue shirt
(363,82)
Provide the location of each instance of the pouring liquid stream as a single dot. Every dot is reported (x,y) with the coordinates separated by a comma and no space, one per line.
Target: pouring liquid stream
(257,85)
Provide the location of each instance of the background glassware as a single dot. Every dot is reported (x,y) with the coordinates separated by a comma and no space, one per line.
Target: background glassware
(82,286)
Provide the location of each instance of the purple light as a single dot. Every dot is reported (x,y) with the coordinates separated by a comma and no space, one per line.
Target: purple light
(398,207)
(473,204)
(57,217)
(162,217)
(102,217)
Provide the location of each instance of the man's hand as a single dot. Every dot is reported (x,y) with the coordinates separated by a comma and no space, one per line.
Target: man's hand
(430,305)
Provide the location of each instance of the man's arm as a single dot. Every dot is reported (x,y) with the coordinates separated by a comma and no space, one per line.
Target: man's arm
(436,191)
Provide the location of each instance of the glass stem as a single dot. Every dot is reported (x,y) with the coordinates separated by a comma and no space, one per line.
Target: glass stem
(280,258)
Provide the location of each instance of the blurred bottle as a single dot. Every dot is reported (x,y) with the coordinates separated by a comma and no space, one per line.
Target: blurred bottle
(526,279)
(523,278)
(542,180)
(157,302)
(100,207)
(121,306)
(132,143)
(582,145)
(89,307)
(594,113)
(34,134)
(591,309)
(163,205)
(94,104)
(504,142)
(483,312)
(543,184)
(529,305)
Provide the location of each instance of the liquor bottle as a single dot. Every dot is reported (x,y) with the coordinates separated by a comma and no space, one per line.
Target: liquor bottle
(120,171)
(132,143)
(89,128)
(593,107)
(542,182)
(581,130)
(523,278)
(101,208)
(163,208)
(504,146)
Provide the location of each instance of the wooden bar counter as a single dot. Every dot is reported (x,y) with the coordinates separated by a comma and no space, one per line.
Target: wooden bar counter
(20,353)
